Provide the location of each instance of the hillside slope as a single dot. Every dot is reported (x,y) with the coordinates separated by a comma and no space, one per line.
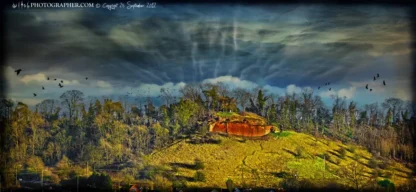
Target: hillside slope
(265,162)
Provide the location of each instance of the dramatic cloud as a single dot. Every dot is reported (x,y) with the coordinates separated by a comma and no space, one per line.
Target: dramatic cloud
(283,49)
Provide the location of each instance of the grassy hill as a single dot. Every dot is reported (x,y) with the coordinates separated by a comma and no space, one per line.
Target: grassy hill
(269,160)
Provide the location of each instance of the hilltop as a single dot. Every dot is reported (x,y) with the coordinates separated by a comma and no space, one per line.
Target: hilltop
(268,161)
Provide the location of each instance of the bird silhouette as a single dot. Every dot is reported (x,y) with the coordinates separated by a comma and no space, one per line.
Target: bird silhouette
(48,78)
(374,78)
(86,78)
(43,88)
(329,83)
(378,75)
(384,82)
(60,85)
(55,79)
(371,89)
(366,86)
(330,89)
(34,94)
(62,81)
(18,71)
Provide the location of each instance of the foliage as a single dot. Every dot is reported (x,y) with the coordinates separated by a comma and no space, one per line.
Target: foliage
(199,176)
(230,185)
(199,164)
(387,184)
(100,181)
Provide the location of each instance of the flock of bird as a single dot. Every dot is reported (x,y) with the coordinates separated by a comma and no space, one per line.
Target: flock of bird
(43,88)
(366,87)
(128,93)
(375,78)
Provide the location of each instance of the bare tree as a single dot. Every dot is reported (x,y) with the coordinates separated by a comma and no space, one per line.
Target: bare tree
(166,95)
(71,100)
(242,96)
(395,105)
(47,107)
(191,91)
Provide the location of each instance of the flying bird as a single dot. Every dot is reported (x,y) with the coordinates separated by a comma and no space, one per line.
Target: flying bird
(366,86)
(62,81)
(384,82)
(34,94)
(378,75)
(374,78)
(18,71)
(48,78)
(60,85)
(55,79)
(330,89)
(43,88)
(86,78)
(371,89)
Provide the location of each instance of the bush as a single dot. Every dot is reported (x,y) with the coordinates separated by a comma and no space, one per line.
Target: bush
(383,165)
(199,164)
(337,161)
(162,184)
(300,152)
(325,156)
(372,163)
(100,181)
(351,149)
(387,184)
(199,176)
(179,184)
(230,185)
(342,152)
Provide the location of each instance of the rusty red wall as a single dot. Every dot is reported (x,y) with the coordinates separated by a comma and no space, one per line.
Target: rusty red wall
(241,129)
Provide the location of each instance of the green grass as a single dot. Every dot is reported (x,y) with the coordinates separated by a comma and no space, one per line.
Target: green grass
(283,134)
(237,160)
(226,114)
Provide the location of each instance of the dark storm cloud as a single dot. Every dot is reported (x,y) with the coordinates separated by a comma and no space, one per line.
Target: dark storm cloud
(173,44)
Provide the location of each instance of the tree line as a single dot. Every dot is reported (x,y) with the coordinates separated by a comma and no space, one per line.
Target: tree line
(103,131)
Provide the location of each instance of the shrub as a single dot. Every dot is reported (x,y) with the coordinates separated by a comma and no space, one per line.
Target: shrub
(199,164)
(230,185)
(337,161)
(351,149)
(325,156)
(342,152)
(387,184)
(383,165)
(372,163)
(161,183)
(199,176)
(290,183)
(100,181)
(179,184)
(300,152)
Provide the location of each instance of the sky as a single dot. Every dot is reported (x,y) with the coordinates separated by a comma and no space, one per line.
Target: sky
(282,48)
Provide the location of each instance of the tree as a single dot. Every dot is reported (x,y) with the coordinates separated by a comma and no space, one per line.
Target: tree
(47,108)
(261,102)
(167,95)
(395,105)
(242,96)
(71,100)
(353,172)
